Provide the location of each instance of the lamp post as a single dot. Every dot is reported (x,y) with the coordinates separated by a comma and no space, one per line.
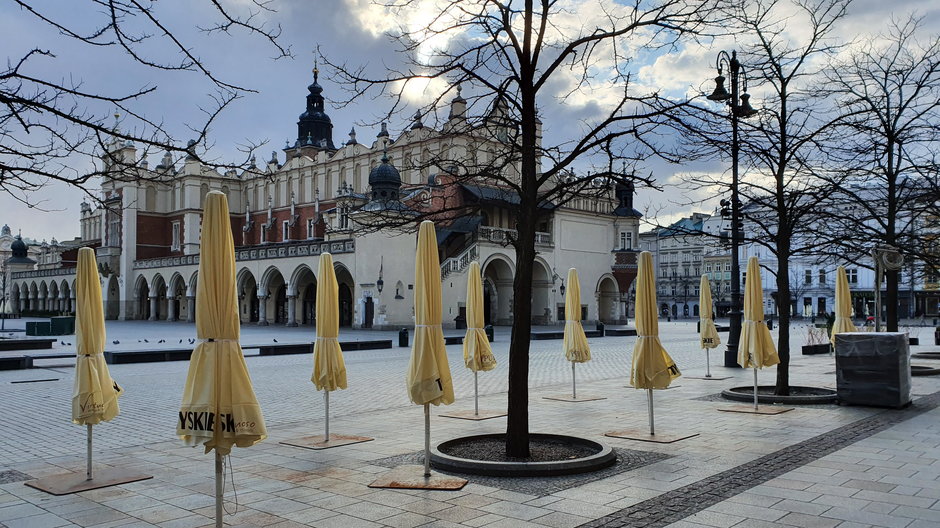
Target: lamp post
(738,110)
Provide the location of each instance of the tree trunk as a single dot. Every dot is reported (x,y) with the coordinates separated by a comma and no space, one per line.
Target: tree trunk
(517,423)
(891,301)
(783,325)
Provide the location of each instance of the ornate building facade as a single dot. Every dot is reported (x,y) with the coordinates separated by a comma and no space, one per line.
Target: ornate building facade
(313,199)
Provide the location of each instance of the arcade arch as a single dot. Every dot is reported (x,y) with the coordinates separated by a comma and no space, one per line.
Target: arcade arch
(608,300)
(498,272)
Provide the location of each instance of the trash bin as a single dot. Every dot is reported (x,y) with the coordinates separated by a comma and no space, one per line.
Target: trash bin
(600,329)
(403,338)
(489,332)
(62,325)
(936,336)
(38,328)
(460,322)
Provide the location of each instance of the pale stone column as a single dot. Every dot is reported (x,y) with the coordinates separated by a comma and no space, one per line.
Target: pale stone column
(153,308)
(71,304)
(262,310)
(171,308)
(291,310)
(191,309)
(34,302)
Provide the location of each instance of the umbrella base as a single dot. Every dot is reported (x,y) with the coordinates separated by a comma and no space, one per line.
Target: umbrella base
(76,482)
(412,477)
(712,378)
(644,436)
(318,441)
(749,409)
(568,398)
(470,415)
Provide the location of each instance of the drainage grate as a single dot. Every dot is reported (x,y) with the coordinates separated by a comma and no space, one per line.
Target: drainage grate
(8,476)
(688,500)
(627,460)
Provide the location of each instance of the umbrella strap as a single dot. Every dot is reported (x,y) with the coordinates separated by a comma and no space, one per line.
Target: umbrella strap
(227,463)
(473,328)
(327,338)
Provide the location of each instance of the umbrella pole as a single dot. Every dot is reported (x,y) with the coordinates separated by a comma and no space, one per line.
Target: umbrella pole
(476,395)
(427,440)
(708,366)
(755,388)
(218,490)
(88,474)
(574,386)
(326,411)
(649,394)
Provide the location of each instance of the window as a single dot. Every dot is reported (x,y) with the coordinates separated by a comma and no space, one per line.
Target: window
(808,277)
(175,244)
(822,276)
(852,275)
(344,217)
(311,229)
(708,268)
(727,268)
(626,240)
(285,230)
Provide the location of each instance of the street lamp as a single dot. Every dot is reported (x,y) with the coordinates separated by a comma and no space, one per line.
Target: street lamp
(738,110)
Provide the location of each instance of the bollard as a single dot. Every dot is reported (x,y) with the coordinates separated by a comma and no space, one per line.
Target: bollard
(600,328)
(403,338)
(489,332)
(936,336)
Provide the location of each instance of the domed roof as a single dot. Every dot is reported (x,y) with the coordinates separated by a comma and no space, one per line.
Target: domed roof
(385,174)
(18,247)
(5,231)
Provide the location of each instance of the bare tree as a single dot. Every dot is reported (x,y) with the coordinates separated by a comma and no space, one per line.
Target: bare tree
(784,145)
(51,125)
(889,91)
(514,59)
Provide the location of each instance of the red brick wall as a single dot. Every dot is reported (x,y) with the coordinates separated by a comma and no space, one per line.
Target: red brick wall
(153,236)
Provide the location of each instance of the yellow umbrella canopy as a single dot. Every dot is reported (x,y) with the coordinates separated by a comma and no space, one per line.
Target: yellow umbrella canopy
(429,378)
(576,346)
(477,353)
(329,369)
(843,322)
(652,367)
(708,334)
(756,347)
(95,396)
(219,407)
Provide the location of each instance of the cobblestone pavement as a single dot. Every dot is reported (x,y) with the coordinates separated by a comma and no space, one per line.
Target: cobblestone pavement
(814,466)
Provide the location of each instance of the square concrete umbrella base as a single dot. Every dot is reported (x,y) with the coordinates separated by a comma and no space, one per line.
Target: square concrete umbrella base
(709,378)
(75,482)
(316,442)
(749,409)
(470,415)
(412,477)
(568,398)
(644,436)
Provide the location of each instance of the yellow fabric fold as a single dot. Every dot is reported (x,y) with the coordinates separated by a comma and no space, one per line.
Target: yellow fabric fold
(95,393)
(708,334)
(477,353)
(219,407)
(575,344)
(756,347)
(843,322)
(428,378)
(329,368)
(652,367)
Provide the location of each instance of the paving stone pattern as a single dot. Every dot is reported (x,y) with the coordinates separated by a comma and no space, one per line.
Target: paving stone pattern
(627,460)
(11,475)
(693,498)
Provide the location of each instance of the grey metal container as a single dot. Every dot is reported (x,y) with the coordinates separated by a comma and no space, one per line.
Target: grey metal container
(873,368)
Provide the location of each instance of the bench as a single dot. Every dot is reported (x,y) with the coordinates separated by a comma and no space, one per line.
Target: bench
(147,356)
(26,344)
(618,332)
(307,348)
(15,362)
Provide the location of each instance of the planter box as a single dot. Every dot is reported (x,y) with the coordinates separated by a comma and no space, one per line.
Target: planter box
(810,350)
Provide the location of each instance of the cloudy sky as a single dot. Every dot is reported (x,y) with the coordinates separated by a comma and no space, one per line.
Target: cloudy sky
(350,31)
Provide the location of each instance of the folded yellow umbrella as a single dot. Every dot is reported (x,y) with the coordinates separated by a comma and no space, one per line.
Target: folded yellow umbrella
(708,334)
(477,353)
(652,367)
(329,369)
(575,344)
(95,394)
(428,378)
(219,407)
(843,322)
(756,347)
